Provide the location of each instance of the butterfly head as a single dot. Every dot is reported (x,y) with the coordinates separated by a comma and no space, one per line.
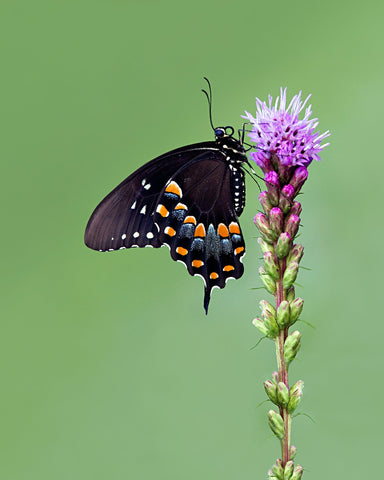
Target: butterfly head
(225,139)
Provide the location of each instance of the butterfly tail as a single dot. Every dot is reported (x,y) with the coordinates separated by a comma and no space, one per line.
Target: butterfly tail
(207,298)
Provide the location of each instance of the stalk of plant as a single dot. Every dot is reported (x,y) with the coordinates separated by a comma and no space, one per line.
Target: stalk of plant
(286,145)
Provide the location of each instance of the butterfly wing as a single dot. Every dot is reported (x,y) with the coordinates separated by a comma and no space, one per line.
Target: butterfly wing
(124,218)
(197,220)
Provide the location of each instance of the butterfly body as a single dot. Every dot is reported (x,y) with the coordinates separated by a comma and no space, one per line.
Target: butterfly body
(188,199)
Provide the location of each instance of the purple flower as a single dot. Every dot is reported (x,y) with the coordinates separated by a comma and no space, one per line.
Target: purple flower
(278,132)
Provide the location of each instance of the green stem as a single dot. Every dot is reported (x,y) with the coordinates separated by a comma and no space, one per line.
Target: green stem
(283,370)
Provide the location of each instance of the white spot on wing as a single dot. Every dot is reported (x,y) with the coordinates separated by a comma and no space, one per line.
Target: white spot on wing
(135,235)
(133,206)
(144,209)
(147,186)
(124,236)
(149,235)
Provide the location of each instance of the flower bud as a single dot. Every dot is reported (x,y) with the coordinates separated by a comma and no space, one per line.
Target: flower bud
(262,160)
(286,197)
(290,275)
(268,281)
(261,222)
(276,423)
(293,452)
(296,309)
(273,186)
(292,346)
(276,220)
(278,470)
(270,390)
(258,323)
(271,266)
(299,176)
(292,225)
(297,472)
(296,393)
(296,253)
(296,209)
(269,316)
(267,309)
(283,314)
(288,470)
(282,394)
(265,246)
(265,202)
(284,244)
(291,294)
(275,377)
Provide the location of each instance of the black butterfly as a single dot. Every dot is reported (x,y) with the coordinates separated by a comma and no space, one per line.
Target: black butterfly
(188,199)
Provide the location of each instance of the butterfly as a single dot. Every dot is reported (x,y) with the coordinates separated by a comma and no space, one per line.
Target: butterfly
(188,199)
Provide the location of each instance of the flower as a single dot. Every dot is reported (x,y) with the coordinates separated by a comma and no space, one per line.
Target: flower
(278,132)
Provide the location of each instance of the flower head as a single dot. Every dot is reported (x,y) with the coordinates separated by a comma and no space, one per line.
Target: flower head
(278,132)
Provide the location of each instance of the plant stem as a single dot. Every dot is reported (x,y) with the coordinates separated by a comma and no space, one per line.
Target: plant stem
(283,369)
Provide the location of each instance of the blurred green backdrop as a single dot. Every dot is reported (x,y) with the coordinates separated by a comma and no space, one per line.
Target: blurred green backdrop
(109,367)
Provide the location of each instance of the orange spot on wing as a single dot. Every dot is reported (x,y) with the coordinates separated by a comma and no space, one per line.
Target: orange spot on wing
(181,206)
(223,230)
(170,231)
(200,230)
(234,228)
(228,268)
(181,251)
(162,210)
(239,250)
(214,275)
(190,219)
(173,187)
(197,263)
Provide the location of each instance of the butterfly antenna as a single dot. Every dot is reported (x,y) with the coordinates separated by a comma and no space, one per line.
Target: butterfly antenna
(209,98)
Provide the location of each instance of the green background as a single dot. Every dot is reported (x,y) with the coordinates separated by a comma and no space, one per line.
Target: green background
(109,368)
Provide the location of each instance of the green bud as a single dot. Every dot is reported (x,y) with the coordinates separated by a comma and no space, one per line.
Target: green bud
(276,424)
(271,266)
(282,394)
(296,393)
(275,377)
(258,323)
(268,281)
(291,346)
(291,294)
(267,309)
(296,309)
(296,254)
(297,473)
(261,222)
(270,390)
(290,275)
(271,475)
(283,314)
(269,316)
(278,470)
(288,470)
(284,244)
(265,246)
(293,452)
(276,220)
(265,202)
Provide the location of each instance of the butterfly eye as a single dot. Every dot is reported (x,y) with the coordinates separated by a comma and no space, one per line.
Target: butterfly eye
(219,132)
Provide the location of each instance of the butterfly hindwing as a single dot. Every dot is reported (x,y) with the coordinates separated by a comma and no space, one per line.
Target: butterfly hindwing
(197,219)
